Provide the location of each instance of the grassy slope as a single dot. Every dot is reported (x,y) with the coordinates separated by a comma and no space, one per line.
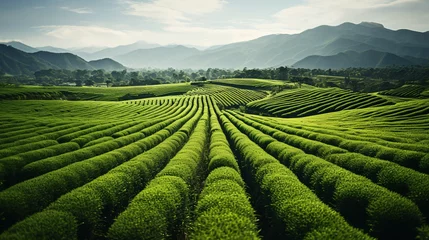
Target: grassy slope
(107,94)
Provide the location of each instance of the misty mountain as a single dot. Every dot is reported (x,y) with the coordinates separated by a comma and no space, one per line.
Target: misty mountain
(107,64)
(284,49)
(21,46)
(86,49)
(119,50)
(161,57)
(53,49)
(272,50)
(367,59)
(66,61)
(14,61)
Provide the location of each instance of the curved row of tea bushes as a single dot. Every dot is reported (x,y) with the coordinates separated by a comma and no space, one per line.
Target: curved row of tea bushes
(21,130)
(307,102)
(52,134)
(153,101)
(412,91)
(160,210)
(33,195)
(176,113)
(91,207)
(84,139)
(97,141)
(56,162)
(364,204)
(293,209)
(228,96)
(10,167)
(26,147)
(405,181)
(223,210)
(71,136)
(406,158)
(11,125)
(334,136)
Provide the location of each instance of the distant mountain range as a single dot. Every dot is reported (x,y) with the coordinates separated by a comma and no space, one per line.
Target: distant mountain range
(346,45)
(14,61)
(160,57)
(365,59)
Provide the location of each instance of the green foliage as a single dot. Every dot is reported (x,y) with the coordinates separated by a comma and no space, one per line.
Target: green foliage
(305,102)
(39,226)
(290,194)
(410,91)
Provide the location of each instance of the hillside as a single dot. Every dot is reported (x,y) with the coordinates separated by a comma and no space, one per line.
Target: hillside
(78,169)
(21,46)
(107,64)
(306,102)
(64,60)
(273,50)
(367,59)
(284,49)
(15,62)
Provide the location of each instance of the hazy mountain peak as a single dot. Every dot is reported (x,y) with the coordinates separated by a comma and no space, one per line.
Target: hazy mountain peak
(371,24)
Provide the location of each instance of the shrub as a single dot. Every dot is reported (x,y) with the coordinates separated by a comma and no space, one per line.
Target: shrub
(64,228)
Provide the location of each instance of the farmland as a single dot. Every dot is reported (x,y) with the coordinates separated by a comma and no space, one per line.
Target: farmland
(214,161)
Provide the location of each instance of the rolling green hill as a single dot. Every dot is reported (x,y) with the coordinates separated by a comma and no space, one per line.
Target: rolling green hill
(15,62)
(107,64)
(306,102)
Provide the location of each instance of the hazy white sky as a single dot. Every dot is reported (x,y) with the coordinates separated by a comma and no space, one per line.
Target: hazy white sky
(81,23)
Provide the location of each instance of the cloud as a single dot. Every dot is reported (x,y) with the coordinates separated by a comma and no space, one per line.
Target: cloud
(172,12)
(81,36)
(183,24)
(312,13)
(83,10)
(9,40)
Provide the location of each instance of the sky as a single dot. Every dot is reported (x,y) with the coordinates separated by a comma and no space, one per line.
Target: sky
(108,23)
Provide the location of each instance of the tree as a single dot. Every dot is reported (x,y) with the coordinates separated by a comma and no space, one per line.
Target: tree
(98,76)
(209,73)
(81,75)
(78,83)
(283,73)
(117,76)
(89,82)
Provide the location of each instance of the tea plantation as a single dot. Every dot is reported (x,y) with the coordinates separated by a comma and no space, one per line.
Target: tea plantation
(205,163)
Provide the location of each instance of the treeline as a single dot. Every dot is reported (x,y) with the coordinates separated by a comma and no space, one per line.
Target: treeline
(403,75)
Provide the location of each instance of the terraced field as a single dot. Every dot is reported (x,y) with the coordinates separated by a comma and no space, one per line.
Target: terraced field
(408,91)
(306,102)
(182,168)
(92,93)
(249,83)
(228,96)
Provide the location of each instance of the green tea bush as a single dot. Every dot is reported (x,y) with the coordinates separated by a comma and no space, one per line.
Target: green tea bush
(26,147)
(39,226)
(12,166)
(223,210)
(407,182)
(97,141)
(360,201)
(283,192)
(71,136)
(53,163)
